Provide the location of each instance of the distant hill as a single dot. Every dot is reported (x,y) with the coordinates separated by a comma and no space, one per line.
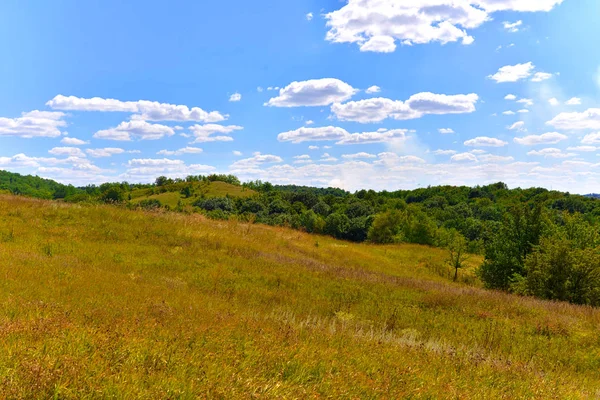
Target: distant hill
(34,186)
(593,195)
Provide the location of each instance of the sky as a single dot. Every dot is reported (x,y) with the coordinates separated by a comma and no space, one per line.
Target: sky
(358,94)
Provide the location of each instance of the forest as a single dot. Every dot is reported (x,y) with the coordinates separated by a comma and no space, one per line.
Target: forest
(535,242)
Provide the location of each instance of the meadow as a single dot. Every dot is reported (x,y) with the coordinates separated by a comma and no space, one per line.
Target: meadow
(98,301)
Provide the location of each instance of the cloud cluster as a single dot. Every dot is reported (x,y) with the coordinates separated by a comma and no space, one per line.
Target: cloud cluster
(377,25)
(340,135)
(33,124)
(144,109)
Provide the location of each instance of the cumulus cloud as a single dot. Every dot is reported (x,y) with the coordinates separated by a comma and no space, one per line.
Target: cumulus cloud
(358,155)
(67,151)
(541,76)
(144,109)
(445,131)
(138,129)
(71,141)
(484,141)
(592,138)
(464,157)
(512,27)
(553,101)
(525,102)
(314,92)
(330,133)
(105,152)
(508,112)
(546,138)
(379,109)
(551,153)
(513,73)
(185,150)
(147,169)
(583,149)
(235,97)
(204,133)
(237,153)
(255,162)
(309,16)
(444,152)
(33,124)
(589,119)
(373,89)
(575,101)
(510,97)
(518,126)
(375,25)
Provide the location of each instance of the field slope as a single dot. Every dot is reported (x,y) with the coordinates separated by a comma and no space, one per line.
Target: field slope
(102,302)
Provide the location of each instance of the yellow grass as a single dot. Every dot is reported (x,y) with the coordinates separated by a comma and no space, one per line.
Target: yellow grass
(102,302)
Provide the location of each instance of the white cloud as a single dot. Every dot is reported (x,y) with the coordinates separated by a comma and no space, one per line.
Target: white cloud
(33,124)
(525,102)
(259,89)
(380,44)
(513,73)
(313,147)
(358,155)
(313,134)
(379,109)
(105,152)
(235,97)
(147,169)
(508,112)
(67,151)
(71,141)
(510,97)
(523,111)
(592,138)
(583,149)
(541,76)
(373,110)
(484,141)
(554,101)
(546,138)
(518,126)
(550,153)
(589,119)
(255,162)
(462,157)
(444,152)
(493,158)
(375,25)
(373,89)
(512,27)
(185,150)
(340,135)
(314,92)
(445,131)
(204,133)
(237,153)
(309,16)
(144,109)
(302,159)
(575,101)
(138,129)
(309,122)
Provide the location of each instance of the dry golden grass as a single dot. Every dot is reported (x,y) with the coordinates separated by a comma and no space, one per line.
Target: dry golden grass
(101,302)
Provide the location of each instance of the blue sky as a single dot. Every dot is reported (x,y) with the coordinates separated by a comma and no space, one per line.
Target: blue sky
(382,94)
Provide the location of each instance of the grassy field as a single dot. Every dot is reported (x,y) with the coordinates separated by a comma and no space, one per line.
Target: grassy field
(207,189)
(102,302)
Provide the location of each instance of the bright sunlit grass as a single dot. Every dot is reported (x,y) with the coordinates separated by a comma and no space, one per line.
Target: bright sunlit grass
(102,302)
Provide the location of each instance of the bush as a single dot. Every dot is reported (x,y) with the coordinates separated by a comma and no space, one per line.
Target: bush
(215,203)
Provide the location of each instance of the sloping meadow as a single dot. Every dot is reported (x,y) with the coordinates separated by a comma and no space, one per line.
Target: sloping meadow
(100,301)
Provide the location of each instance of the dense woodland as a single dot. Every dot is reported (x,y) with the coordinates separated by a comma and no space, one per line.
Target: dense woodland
(535,241)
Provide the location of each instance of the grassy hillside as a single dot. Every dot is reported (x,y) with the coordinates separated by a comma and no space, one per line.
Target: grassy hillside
(172,196)
(102,302)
